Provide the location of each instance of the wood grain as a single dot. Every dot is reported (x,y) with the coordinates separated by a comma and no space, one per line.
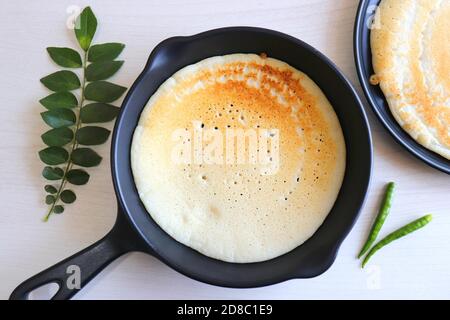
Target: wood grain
(416,267)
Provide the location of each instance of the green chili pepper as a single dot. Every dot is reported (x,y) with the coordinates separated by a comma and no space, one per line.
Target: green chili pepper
(403,231)
(381,217)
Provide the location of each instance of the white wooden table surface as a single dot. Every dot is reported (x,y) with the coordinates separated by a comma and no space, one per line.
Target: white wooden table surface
(417,267)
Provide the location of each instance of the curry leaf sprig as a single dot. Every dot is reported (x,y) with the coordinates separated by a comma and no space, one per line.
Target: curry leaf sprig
(68,151)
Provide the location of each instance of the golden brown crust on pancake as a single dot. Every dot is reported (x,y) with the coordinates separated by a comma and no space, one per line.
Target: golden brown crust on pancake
(234,212)
(411,58)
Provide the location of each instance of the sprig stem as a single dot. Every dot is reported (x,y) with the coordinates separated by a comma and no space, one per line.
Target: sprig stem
(69,163)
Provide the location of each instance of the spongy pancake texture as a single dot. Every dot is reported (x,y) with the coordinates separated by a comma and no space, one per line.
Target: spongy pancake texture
(241,211)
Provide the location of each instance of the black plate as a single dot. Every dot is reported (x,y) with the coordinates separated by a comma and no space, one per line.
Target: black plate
(363,59)
(136,230)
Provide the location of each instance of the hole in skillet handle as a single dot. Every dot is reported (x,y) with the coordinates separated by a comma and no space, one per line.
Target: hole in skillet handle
(44,292)
(73,273)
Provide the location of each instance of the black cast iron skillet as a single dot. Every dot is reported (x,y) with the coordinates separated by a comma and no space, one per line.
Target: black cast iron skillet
(135,230)
(363,59)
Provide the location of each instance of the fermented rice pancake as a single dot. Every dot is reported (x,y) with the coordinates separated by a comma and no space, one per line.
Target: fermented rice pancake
(411,57)
(229,209)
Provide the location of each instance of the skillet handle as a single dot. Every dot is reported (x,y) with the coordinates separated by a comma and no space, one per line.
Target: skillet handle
(76,271)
